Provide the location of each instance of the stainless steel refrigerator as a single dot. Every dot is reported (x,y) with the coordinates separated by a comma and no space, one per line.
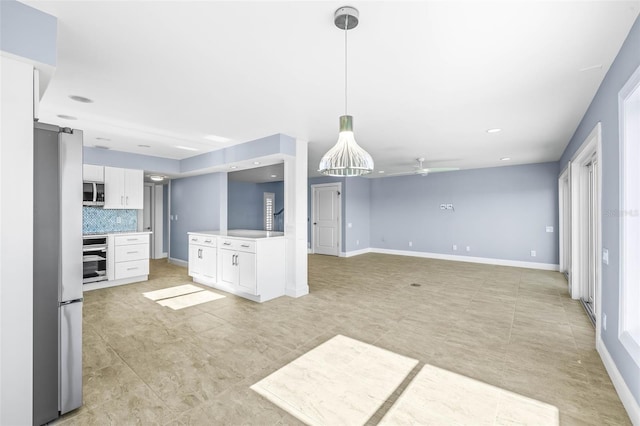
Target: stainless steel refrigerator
(57,272)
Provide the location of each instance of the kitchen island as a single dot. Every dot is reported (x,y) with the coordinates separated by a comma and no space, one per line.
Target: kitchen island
(245,262)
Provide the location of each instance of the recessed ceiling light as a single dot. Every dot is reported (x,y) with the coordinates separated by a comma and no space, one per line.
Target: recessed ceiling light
(67,117)
(186,148)
(380,171)
(274,176)
(81,99)
(144,146)
(505,158)
(256,162)
(592,67)
(100,138)
(494,130)
(156,178)
(101,147)
(233,167)
(216,138)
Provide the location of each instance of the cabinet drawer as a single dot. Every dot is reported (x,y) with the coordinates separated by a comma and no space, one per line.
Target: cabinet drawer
(122,240)
(240,245)
(132,269)
(132,252)
(202,240)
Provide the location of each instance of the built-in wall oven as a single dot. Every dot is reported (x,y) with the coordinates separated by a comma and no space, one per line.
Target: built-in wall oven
(94,258)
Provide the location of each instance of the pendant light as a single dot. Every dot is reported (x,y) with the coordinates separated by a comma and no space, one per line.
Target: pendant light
(346,158)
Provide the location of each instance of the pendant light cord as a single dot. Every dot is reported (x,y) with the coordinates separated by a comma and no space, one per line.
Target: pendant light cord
(346,26)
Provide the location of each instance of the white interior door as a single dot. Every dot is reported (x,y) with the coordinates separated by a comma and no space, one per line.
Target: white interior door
(326,219)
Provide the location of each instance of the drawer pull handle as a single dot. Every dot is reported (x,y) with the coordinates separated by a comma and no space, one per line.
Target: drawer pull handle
(245,245)
(227,244)
(132,239)
(132,252)
(194,239)
(207,241)
(131,269)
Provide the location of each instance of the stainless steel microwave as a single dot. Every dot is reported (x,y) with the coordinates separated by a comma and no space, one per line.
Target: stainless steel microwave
(93,194)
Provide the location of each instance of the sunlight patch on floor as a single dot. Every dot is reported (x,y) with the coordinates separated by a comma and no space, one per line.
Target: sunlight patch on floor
(182,296)
(437,396)
(345,381)
(342,381)
(165,293)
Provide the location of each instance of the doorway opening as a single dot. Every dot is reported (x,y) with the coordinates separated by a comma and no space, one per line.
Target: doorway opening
(580,221)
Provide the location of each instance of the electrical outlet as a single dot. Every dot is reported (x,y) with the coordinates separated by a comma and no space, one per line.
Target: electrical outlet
(118,219)
(410,243)
(468,248)
(349,225)
(455,247)
(605,256)
(176,217)
(357,242)
(533,253)
(604,321)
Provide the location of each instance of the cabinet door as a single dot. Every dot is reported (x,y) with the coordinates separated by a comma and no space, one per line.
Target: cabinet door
(195,265)
(209,258)
(228,269)
(92,173)
(113,188)
(133,189)
(247,272)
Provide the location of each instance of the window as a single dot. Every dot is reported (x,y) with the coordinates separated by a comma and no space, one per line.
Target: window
(629,115)
(269,201)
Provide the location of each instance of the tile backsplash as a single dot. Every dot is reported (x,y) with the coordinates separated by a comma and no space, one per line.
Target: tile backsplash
(98,220)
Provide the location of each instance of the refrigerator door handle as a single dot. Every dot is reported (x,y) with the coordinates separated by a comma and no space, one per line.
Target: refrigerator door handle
(70,357)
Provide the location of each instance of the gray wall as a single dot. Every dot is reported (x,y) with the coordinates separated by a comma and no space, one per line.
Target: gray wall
(500,212)
(196,202)
(604,109)
(357,213)
(246,203)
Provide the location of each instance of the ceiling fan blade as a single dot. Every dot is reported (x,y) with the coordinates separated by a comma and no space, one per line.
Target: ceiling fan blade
(440,169)
(400,173)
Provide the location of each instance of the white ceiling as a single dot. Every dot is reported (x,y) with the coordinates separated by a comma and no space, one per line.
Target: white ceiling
(426,79)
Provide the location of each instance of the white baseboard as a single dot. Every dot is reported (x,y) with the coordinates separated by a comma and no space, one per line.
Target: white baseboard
(296,292)
(457,258)
(629,402)
(356,252)
(179,262)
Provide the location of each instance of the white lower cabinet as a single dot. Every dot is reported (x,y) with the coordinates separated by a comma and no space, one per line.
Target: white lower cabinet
(131,256)
(202,258)
(127,260)
(238,268)
(251,268)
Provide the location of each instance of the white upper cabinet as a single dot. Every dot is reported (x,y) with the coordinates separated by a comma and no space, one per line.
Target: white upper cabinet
(92,173)
(123,188)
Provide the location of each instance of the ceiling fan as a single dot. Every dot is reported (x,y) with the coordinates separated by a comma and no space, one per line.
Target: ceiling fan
(421,170)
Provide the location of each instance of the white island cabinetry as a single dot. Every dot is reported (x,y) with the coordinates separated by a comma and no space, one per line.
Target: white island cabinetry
(249,263)
(203,258)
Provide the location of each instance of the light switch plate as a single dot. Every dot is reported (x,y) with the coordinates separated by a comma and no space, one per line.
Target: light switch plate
(549,228)
(443,206)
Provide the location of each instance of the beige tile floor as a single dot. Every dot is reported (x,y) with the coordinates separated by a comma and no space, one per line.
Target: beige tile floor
(515,329)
